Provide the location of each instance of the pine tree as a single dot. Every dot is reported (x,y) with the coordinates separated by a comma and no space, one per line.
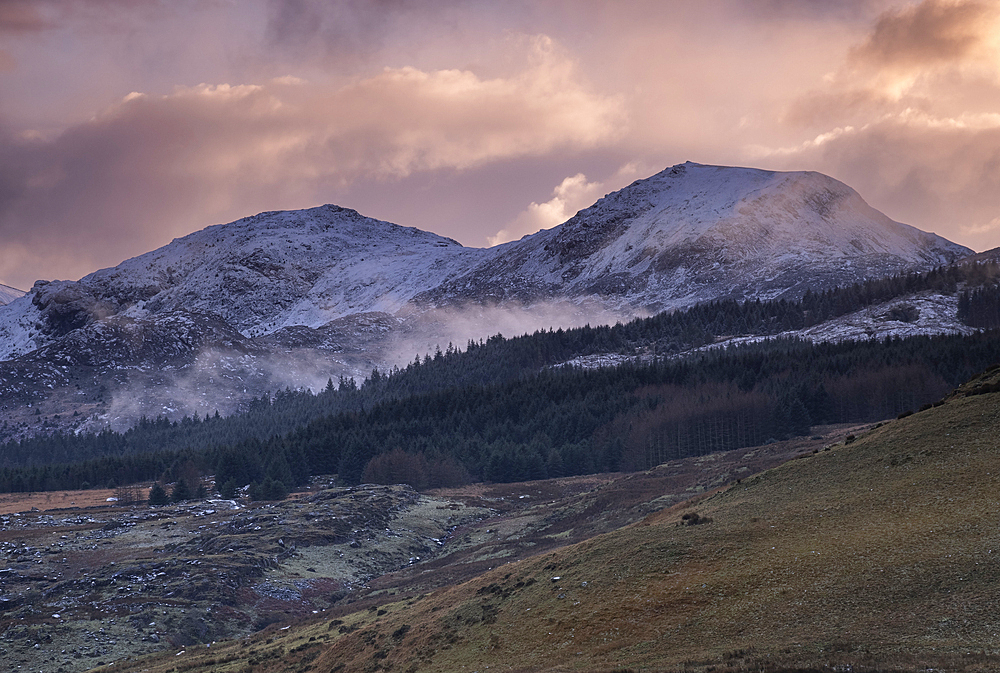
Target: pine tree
(158,495)
(228,490)
(182,491)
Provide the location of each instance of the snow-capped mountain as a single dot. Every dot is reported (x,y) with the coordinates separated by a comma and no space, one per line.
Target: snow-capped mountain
(690,233)
(343,293)
(259,274)
(694,233)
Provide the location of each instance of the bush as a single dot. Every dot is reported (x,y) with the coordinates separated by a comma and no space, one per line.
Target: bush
(694,519)
(272,489)
(275,489)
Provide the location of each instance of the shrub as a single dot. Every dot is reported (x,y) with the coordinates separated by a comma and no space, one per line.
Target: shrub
(272,489)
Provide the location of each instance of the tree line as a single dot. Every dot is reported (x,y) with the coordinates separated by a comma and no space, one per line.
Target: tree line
(498,360)
(496,411)
(564,421)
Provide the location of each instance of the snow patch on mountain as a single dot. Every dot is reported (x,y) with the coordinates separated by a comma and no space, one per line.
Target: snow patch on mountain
(9,294)
(923,314)
(19,328)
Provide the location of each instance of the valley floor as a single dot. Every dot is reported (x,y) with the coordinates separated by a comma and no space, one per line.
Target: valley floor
(87,583)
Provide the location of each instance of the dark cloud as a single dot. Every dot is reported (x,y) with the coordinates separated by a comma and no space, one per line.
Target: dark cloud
(825,108)
(932,32)
(352,30)
(13,174)
(20,18)
(26,17)
(123,183)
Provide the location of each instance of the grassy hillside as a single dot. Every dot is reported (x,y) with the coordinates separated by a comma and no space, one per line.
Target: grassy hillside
(881,554)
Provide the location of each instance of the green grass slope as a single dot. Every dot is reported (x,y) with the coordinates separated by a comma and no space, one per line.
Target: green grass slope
(878,555)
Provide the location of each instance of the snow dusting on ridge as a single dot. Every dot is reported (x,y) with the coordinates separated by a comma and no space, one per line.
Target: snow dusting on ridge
(294,298)
(695,233)
(9,294)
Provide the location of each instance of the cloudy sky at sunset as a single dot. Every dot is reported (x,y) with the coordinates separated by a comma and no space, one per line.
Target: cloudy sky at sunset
(124,124)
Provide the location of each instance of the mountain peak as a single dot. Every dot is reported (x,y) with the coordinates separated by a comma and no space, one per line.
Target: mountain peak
(696,232)
(692,232)
(759,216)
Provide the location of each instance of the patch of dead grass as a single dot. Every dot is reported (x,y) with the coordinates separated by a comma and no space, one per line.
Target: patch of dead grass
(50,500)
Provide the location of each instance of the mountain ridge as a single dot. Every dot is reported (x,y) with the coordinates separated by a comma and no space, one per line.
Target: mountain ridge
(343,293)
(694,232)
(9,294)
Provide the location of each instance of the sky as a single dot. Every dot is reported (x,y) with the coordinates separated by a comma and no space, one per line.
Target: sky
(127,123)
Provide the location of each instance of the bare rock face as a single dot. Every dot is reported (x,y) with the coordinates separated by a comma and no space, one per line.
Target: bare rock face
(66,306)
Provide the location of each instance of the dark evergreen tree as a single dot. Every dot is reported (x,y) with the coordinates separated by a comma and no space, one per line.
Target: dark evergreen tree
(158,495)
(228,489)
(274,489)
(181,492)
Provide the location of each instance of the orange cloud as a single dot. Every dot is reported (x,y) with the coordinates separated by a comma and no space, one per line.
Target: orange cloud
(939,57)
(417,120)
(941,175)
(932,32)
(910,119)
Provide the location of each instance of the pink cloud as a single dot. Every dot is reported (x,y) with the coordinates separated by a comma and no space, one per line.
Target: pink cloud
(156,166)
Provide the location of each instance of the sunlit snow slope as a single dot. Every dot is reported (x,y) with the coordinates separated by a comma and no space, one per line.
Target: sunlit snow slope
(693,233)
(8,294)
(259,274)
(690,233)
